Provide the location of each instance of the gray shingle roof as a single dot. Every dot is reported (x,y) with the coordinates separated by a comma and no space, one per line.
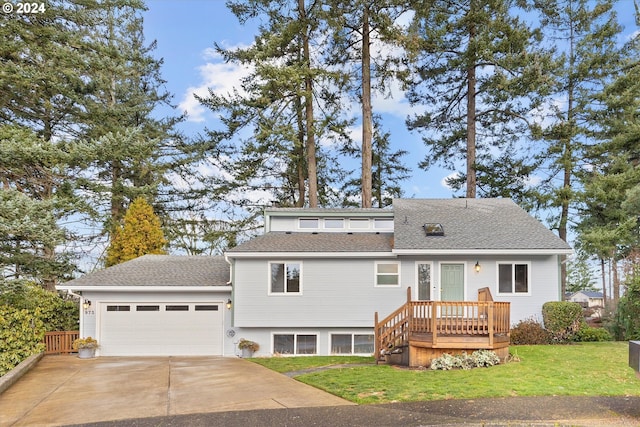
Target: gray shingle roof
(492,224)
(317,242)
(160,270)
(590,294)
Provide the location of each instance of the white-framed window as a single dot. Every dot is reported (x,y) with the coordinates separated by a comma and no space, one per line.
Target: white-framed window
(334,223)
(387,273)
(514,277)
(359,223)
(308,223)
(295,343)
(351,343)
(383,223)
(285,277)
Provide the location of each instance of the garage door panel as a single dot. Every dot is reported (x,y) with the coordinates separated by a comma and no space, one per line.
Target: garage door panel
(161,329)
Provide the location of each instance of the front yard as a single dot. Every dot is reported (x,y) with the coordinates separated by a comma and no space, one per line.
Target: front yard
(587,369)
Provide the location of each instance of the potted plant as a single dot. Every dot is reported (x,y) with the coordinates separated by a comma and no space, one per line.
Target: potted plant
(86,347)
(248,347)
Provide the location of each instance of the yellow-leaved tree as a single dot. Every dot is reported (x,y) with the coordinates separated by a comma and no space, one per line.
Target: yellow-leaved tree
(139,234)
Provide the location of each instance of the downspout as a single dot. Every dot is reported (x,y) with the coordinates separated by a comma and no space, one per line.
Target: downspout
(230,282)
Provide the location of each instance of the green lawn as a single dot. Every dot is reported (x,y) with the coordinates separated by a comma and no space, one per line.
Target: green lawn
(588,369)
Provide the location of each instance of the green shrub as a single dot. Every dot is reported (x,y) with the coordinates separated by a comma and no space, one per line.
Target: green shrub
(57,313)
(562,319)
(587,333)
(529,332)
(477,359)
(21,335)
(626,325)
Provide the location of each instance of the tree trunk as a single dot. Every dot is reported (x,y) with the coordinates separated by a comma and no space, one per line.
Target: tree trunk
(367,127)
(615,295)
(308,105)
(471,119)
(604,282)
(299,156)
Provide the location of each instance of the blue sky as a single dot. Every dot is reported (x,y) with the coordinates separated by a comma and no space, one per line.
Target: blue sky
(186,31)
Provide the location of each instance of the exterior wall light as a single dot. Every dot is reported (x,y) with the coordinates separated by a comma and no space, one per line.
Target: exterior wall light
(477,267)
(229,304)
(86,304)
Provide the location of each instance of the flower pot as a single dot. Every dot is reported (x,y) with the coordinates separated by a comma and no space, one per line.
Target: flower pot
(247,352)
(86,353)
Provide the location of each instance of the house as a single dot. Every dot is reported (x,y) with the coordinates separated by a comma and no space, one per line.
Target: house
(588,299)
(314,281)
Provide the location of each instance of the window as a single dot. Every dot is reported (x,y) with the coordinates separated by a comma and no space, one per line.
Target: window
(147,308)
(118,308)
(337,223)
(308,223)
(359,223)
(383,223)
(206,308)
(295,344)
(352,344)
(285,277)
(387,274)
(513,278)
(177,308)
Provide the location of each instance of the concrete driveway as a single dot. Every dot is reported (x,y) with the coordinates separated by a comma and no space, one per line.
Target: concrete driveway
(63,390)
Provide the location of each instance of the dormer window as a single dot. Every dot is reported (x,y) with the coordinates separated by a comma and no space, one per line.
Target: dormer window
(433,229)
(309,223)
(335,223)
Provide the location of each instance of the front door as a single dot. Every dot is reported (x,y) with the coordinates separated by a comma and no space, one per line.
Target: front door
(452,282)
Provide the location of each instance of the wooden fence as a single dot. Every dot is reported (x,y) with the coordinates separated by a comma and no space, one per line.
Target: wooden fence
(60,342)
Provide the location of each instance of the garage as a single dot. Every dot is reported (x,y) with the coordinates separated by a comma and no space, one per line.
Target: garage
(158,305)
(161,329)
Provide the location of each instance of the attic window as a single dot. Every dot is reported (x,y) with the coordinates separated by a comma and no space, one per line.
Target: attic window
(433,229)
(308,222)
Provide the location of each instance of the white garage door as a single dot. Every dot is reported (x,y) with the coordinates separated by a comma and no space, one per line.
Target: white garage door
(161,329)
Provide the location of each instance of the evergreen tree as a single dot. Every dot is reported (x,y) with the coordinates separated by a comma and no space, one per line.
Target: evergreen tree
(580,276)
(584,33)
(478,73)
(134,150)
(387,172)
(608,226)
(140,234)
(282,109)
(356,26)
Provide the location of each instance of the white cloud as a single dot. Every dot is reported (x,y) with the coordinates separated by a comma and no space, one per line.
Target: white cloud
(443,182)
(215,76)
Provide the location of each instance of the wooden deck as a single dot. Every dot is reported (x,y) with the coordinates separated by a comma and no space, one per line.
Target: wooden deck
(420,331)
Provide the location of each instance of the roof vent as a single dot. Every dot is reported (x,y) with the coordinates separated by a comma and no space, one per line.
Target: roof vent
(433,229)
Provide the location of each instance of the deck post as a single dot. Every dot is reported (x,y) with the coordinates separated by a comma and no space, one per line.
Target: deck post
(408,294)
(376,336)
(490,323)
(434,322)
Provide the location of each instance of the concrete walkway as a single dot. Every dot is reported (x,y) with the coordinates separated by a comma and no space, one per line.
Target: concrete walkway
(63,390)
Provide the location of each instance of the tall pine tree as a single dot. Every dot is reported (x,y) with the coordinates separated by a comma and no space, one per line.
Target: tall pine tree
(477,71)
